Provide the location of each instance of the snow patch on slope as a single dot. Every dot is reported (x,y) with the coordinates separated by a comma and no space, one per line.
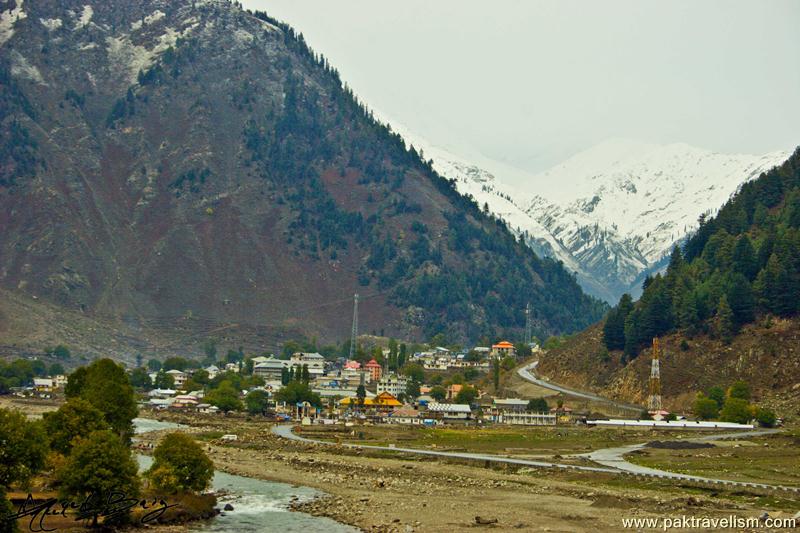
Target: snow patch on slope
(9,17)
(85,18)
(52,24)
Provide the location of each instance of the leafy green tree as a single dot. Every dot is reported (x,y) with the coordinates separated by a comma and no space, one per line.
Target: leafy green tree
(297,392)
(412,389)
(23,447)
(470,374)
(201,376)
(538,405)
(140,379)
(60,352)
(736,410)
(154,365)
(766,417)
(175,363)
(180,465)
(466,395)
(739,389)
(705,408)
(256,401)
(99,465)
(210,349)
(74,419)
(6,509)
(164,380)
(225,397)
(75,382)
(402,356)
(438,393)
(415,372)
(56,369)
(361,395)
(717,394)
(105,385)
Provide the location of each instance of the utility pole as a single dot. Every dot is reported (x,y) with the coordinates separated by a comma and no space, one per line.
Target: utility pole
(354,333)
(654,400)
(528,325)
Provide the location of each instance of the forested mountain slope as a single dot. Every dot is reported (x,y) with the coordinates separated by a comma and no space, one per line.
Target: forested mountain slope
(727,305)
(165,162)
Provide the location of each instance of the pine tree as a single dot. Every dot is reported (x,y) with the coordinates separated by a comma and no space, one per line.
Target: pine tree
(742,302)
(745,261)
(724,321)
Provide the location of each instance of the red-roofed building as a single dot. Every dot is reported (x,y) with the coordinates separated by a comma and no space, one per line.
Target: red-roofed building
(352,365)
(503,349)
(374,369)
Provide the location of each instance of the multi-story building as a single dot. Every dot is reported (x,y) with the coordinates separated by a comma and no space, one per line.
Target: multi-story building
(393,384)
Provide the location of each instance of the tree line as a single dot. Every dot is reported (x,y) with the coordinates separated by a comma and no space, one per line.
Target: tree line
(740,265)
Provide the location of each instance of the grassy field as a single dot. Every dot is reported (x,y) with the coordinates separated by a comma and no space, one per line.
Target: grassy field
(771,459)
(547,441)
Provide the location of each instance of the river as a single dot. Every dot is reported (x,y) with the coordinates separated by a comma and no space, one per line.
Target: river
(259,506)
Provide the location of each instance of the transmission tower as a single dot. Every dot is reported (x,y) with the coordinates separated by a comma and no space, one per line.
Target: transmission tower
(654,400)
(528,325)
(354,333)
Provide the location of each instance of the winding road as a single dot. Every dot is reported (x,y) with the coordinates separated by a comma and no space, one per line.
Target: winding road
(611,459)
(527,373)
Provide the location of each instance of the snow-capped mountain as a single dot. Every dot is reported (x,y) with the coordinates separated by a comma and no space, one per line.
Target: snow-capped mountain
(611,213)
(619,207)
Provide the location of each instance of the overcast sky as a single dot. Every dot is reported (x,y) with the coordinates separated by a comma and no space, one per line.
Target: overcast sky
(531,82)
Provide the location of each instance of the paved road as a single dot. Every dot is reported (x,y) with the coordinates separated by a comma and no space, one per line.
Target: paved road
(527,373)
(615,458)
(611,459)
(285,431)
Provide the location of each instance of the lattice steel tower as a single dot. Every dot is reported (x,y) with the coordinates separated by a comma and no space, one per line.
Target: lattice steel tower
(654,399)
(528,325)
(354,333)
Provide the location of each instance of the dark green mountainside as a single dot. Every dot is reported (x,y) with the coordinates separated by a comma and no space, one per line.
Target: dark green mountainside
(740,265)
(166,162)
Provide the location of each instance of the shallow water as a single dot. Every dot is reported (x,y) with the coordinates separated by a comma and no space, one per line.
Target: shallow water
(259,506)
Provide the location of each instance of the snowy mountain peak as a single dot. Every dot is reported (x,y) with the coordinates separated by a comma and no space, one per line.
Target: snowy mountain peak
(610,213)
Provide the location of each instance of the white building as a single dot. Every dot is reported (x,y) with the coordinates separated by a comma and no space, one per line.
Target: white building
(393,384)
(314,361)
(179,377)
(452,411)
(269,367)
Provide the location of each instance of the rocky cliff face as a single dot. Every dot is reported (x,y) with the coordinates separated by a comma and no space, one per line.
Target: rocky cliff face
(172,161)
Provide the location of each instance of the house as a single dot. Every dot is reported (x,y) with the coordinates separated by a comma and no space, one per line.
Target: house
(178,376)
(503,349)
(404,415)
(507,405)
(453,390)
(269,367)
(382,402)
(43,384)
(207,408)
(212,370)
(261,359)
(374,369)
(162,393)
(527,419)
(450,411)
(185,400)
(313,361)
(393,384)
(60,381)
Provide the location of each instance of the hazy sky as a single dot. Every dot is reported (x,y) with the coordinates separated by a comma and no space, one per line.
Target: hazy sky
(531,82)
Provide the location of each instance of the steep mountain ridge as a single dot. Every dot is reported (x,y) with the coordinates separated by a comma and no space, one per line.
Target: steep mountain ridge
(191,161)
(610,213)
